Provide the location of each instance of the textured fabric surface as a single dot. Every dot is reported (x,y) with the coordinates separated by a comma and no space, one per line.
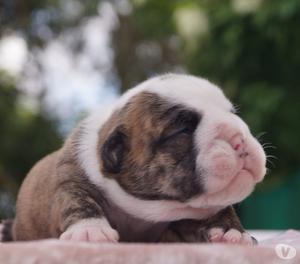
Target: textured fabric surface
(55,251)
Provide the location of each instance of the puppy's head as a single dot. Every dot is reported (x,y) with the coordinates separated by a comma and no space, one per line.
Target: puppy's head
(176,137)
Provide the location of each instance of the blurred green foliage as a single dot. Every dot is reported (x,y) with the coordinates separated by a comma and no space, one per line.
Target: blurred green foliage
(248,47)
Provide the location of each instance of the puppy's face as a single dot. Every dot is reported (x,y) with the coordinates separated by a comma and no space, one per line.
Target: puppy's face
(177,137)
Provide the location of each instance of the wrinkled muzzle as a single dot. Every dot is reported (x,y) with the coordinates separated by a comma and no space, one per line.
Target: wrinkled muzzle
(230,159)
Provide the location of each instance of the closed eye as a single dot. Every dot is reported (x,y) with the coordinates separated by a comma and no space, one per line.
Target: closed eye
(185,123)
(183,131)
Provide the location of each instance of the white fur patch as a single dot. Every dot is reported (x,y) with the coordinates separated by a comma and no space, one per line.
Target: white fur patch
(87,149)
(91,230)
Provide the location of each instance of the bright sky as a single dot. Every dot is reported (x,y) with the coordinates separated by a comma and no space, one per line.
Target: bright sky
(13,53)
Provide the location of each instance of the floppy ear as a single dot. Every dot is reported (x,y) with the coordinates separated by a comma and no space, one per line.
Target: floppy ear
(113,150)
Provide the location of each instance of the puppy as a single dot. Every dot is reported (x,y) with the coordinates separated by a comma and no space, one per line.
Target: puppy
(166,163)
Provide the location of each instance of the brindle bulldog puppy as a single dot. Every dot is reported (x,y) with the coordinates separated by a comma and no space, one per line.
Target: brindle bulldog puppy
(166,163)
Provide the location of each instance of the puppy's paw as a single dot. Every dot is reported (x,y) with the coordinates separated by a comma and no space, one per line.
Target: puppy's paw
(232,236)
(91,230)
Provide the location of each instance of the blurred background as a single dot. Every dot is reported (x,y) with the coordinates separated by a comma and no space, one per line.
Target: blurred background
(59,59)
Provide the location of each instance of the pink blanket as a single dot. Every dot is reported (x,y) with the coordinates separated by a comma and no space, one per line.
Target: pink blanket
(284,248)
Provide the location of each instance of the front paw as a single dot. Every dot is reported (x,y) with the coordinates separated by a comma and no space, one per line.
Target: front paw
(232,236)
(91,230)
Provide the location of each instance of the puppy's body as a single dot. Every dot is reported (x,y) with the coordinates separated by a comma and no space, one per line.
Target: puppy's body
(168,152)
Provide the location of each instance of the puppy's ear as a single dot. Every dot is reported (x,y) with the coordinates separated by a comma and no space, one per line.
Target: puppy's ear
(114,149)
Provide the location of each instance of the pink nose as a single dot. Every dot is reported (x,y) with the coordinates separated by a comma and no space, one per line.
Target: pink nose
(238,144)
(233,136)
